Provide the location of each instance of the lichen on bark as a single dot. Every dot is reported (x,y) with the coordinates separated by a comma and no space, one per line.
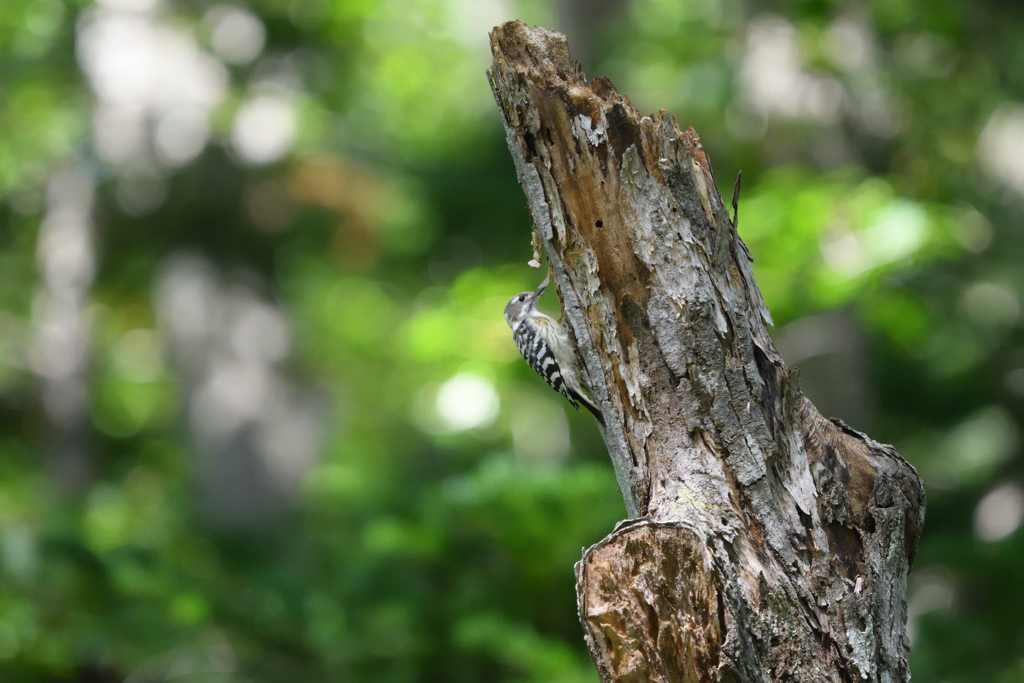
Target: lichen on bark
(764,542)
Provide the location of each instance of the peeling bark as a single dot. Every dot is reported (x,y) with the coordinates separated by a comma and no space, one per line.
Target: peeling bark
(765,542)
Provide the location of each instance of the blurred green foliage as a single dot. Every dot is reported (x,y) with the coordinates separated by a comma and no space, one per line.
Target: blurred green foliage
(309,450)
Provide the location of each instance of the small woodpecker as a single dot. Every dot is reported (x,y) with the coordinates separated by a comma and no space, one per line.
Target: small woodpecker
(546,347)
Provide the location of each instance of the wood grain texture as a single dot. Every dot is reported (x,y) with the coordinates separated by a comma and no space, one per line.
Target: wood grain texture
(765,542)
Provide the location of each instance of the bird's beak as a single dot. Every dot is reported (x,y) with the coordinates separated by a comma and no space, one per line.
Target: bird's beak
(543,286)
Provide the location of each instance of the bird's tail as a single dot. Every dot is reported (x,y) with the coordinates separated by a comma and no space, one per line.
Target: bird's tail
(589,405)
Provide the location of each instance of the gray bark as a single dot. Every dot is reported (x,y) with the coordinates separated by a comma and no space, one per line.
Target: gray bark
(765,542)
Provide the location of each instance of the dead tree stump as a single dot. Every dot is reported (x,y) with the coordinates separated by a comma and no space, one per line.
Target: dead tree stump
(765,542)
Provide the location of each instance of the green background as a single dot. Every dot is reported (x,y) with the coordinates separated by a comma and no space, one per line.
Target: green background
(261,418)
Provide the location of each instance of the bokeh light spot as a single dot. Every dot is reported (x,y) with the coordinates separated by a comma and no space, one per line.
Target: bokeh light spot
(467,401)
(999,513)
(237,35)
(264,129)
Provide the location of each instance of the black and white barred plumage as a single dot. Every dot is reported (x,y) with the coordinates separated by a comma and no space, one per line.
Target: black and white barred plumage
(546,347)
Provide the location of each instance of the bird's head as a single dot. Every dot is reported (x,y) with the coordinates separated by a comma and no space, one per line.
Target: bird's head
(521,305)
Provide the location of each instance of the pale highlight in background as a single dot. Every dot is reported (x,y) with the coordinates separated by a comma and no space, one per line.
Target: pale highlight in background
(999,513)
(1000,147)
(467,401)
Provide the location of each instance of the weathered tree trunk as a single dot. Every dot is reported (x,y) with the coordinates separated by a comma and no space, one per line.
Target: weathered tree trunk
(765,542)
